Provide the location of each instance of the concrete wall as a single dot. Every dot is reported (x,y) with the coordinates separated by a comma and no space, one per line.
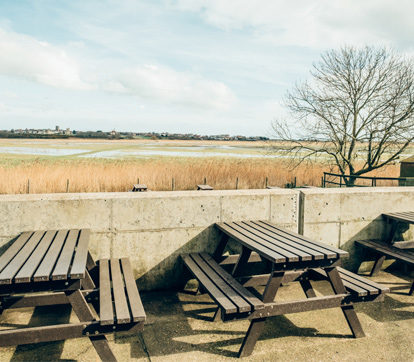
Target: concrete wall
(154,228)
(151,228)
(342,215)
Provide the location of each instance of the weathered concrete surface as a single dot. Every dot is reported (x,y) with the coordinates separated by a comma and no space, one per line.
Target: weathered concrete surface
(151,228)
(178,329)
(342,215)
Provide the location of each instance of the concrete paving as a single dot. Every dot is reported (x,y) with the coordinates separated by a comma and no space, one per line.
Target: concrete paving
(178,328)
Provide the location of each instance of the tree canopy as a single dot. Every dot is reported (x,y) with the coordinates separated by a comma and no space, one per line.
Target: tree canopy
(357,108)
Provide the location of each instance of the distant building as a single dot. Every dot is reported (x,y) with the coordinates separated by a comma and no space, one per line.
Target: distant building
(407,170)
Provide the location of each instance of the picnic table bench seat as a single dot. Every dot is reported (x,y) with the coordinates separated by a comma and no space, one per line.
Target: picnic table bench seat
(57,266)
(234,300)
(119,300)
(383,251)
(361,289)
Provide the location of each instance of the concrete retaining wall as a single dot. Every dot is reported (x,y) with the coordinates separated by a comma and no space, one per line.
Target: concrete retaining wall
(342,215)
(153,228)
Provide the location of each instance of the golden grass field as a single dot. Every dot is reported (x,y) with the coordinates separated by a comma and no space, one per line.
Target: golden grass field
(102,175)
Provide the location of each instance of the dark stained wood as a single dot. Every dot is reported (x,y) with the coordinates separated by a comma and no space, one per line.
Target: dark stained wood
(106,312)
(407,216)
(17,245)
(25,273)
(251,244)
(121,305)
(45,268)
(61,270)
(135,303)
(243,292)
(263,239)
(139,188)
(242,305)
(329,251)
(204,187)
(383,248)
(281,242)
(79,262)
(214,291)
(8,273)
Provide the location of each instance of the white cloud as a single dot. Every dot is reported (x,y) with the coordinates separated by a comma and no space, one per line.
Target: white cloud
(26,57)
(318,23)
(167,85)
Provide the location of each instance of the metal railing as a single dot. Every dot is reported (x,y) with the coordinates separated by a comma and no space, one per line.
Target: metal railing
(368,181)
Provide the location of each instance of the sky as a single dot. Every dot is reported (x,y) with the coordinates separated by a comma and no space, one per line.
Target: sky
(187,66)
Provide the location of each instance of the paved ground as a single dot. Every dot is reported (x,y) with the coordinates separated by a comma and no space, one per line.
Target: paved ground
(179,328)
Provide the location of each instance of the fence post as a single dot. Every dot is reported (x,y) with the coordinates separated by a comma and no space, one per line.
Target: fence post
(28,186)
(340,180)
(294,183)
(67,185)
(324,180)
(138,180)
(237,183)
(172,184)
(205,181)
(266,182)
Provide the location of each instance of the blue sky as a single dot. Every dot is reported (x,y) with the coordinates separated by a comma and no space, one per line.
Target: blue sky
(176,65)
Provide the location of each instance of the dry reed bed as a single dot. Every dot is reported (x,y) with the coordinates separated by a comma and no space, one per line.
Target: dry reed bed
(50,176)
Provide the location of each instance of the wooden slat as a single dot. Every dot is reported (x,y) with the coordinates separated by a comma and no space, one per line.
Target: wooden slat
(386,249)
(352,288)
(45,268)
(121,305)
(249,297)
(251,244)
(11,252)
(262,239)
(25,273)
(303,240)
(380,288)
(215,292)
(6,276)
(106,311)
(61,270)
(401,216)
(78,268)
(322,252)
(134,300)
(303,252)
(242,305)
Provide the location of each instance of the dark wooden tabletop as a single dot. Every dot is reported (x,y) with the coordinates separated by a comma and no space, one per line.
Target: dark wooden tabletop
(38,256)
(278,245)
(407,216)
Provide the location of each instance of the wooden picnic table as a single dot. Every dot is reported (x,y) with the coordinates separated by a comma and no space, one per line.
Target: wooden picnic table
(58,263)
(287,256)
(395,219)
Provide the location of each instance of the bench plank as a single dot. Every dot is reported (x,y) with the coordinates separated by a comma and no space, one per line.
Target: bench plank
(106,311)
(330,251)
(216,293)
(11,252)
(6,276)
(62,266)
(383,248)
(25,273)
(303,252)
(251,244)
(407,216)
(258,237)
(135,303)
(249,297)
(79,262)
(49,261)
(242,305)
(121,305)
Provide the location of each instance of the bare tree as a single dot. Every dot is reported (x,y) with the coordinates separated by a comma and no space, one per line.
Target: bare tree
(357,109)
